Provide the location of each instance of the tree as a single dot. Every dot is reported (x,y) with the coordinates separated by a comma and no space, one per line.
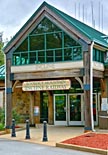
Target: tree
(1,54)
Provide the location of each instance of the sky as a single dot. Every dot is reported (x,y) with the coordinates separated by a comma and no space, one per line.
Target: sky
(14,13)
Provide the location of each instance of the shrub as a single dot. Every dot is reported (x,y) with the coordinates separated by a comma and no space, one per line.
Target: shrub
(15,116)
(2,116)
(1,127)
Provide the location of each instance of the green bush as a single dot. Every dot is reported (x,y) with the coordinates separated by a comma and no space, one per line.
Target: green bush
(2,116)
(15,116)
(1,127)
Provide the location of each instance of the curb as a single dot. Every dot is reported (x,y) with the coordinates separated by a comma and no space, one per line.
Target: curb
(82,148)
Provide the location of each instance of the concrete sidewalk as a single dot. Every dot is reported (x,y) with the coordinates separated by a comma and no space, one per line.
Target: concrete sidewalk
(55,134)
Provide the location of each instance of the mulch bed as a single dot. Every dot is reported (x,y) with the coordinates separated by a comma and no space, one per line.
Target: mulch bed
(92,140)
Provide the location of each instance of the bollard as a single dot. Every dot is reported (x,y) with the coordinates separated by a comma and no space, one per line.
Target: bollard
(13,134)
(45,131)
(27,130)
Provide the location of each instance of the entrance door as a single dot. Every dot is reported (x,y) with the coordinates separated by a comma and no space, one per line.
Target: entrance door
(75,109)
(60,109)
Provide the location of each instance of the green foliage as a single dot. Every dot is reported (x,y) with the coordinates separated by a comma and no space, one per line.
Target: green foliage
(15,116)
(2,116)
(1,54)
(1,127)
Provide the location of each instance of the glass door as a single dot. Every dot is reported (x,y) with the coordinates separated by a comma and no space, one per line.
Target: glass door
(60,109)
(75,109)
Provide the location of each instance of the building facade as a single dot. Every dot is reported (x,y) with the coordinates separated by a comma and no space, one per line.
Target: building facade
(55,70)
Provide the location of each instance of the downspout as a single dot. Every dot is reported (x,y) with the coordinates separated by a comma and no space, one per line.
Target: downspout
(5,96)
(91,85)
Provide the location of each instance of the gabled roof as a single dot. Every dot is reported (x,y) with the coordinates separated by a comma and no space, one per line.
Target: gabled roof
(2,72)
(91,33)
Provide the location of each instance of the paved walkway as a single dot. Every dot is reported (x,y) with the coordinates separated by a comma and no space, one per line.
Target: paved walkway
(55,134)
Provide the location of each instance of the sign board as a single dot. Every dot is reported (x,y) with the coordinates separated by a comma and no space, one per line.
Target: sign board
(46,85)
(104,105)
(36,111)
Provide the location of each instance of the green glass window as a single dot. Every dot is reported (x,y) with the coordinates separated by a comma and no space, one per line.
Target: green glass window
(69,42)
(45,26)
(58,55)
(23,46)
(54,40)
(36,42)
(77,53)
(41,57)
(49,56)
(98,55)
(32,56)
(47,43)
(16,59)
(68,54)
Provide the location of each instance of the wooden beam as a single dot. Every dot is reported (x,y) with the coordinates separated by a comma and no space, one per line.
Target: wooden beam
(48,74)
(98,74)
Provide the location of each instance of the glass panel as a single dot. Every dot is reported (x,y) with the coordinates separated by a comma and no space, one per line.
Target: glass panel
(16,59)
(45,26)
(24,58)
(49,56)
(60,108)
(77,53)
(54,40)
(36,42)
(69,42)
(68,54)
(41,56)
(58,55)
(23,47)
(32,57)
(75,107)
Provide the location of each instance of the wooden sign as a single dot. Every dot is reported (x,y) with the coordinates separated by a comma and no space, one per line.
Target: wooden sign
(46,85)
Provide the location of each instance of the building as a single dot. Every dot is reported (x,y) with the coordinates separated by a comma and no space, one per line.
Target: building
(55,70)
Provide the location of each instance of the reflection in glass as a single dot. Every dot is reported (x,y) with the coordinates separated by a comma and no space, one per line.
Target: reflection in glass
(75,107)
(60,108)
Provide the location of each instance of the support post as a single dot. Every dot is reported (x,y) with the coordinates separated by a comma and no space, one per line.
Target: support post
(13,134)
(27,130)
(45,131)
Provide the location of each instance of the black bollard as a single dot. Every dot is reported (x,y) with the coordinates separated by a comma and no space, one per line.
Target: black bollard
(13,134)
(45,131)
(27,130)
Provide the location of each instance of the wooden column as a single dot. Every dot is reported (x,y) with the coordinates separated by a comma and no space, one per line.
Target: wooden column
(104,88)
(37,103)
(31,108)
(8,95)
(50,108)
(87,91)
